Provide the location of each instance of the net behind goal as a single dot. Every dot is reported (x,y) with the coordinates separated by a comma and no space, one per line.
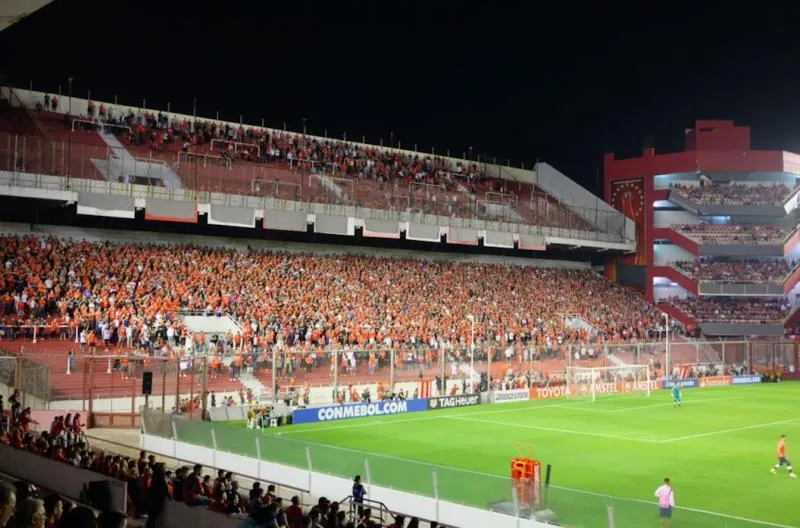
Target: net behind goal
(595,382)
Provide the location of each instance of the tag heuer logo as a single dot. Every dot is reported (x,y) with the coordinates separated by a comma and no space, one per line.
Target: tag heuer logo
(434,403)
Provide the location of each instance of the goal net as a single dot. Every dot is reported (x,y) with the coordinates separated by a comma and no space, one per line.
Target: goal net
(594,382)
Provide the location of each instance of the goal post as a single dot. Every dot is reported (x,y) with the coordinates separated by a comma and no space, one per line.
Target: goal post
(598,381)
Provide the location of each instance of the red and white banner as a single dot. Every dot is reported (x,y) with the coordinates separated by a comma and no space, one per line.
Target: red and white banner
(716,381)
(559,391)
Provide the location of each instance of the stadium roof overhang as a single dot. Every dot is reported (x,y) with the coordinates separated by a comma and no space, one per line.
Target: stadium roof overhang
(12,11)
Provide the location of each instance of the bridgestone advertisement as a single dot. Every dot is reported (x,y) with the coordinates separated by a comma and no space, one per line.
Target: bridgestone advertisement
(511,396)
(449,402)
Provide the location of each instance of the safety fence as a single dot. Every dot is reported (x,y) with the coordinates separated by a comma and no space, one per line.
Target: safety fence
(466,487)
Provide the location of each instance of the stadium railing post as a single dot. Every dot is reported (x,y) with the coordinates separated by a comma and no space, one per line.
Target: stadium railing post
(611,519)
(435,481)
(515,500)
(310,470)
(213,444)
(369,477)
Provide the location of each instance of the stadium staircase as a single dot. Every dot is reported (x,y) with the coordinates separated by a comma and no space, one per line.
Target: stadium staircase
(250,381)
(121,163)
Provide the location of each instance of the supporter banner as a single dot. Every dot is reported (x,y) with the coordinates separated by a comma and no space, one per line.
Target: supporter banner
(558,391)
(447,402)
(104,205)
(499,239)
(462,235)
(162,210)
(715,381)
(380,229)
(358,410)
(232,216)
(687,383)
(511,395)
(746,380)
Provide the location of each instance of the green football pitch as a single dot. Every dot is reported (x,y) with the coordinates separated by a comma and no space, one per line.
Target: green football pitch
(717,449)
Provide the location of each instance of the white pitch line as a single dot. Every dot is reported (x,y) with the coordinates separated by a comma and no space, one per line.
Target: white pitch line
(724,431)
(552,429)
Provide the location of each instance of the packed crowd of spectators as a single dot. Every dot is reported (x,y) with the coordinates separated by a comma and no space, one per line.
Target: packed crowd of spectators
(740,271)
(107,292)
(734,233)
(734,193)
(733,309)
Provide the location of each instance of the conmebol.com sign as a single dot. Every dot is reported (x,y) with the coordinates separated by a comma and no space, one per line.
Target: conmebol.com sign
(357,410)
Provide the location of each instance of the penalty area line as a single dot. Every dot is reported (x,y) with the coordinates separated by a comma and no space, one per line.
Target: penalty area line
(725,431)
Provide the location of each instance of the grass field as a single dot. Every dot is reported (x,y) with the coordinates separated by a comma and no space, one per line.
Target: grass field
(717,449)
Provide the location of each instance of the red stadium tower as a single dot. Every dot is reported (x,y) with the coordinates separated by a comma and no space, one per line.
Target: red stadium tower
(716,231)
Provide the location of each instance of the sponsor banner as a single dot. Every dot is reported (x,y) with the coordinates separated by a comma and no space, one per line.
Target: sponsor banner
(715,381)
(448,402)
(511,395)
(358,410)
(111,213)
(687,383)
(746,380)
(547,393)
(559,391)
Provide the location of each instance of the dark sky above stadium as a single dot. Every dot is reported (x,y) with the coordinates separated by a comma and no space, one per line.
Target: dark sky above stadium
(561,82)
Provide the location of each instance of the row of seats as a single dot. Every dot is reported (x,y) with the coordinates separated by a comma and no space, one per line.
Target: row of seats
(770,270)
(733,233)
(733,309)
(735,193)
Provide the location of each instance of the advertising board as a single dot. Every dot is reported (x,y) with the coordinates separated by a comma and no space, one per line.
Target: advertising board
(358,410)
(449,402)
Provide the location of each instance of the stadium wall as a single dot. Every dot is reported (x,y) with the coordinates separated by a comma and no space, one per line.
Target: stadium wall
(62,211)
(319,484)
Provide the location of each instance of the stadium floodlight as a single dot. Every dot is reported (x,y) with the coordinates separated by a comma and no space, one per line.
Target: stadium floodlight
(586,381)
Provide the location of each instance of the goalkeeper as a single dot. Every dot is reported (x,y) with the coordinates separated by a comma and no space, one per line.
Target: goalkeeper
(677,401)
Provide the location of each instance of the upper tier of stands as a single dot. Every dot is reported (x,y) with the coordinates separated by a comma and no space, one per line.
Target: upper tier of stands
(771,270)
(735,193)
(210,156)
(704,233)
(733,309)
(307,300)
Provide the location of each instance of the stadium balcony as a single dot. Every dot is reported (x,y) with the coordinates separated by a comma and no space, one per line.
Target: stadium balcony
(735,198)
(731,240)
(731,316)
(723,277)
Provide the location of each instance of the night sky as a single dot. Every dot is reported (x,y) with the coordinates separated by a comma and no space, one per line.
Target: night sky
(516,81)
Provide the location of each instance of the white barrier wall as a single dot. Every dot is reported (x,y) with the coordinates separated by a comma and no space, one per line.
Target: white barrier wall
(57,476)
(335,488)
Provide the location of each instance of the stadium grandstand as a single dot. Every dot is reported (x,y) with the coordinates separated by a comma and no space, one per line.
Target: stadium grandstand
(717,231)
(199,284)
